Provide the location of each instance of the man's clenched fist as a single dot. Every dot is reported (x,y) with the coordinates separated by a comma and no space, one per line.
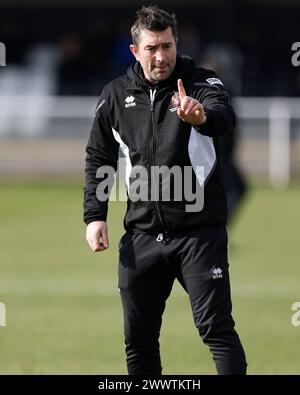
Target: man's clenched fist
(97,235)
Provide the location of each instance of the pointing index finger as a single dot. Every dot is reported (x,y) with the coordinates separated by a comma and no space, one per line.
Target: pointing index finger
(181,89)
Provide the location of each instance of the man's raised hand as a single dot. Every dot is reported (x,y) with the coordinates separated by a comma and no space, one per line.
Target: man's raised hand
(191,110)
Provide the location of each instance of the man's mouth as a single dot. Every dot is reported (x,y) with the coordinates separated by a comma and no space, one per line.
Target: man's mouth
(160,67)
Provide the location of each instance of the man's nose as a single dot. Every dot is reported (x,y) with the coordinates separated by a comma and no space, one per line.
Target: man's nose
(160,55)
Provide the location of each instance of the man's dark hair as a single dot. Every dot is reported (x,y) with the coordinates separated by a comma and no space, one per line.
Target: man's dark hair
(154,19)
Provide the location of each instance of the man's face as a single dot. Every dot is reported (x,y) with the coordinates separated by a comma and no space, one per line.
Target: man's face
(156,53)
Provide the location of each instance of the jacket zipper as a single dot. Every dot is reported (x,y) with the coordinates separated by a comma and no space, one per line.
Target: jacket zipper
(152,160)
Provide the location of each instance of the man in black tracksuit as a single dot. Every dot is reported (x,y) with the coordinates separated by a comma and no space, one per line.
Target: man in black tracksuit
(165,114)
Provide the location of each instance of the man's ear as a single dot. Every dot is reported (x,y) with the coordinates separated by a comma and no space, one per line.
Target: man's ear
(134,51)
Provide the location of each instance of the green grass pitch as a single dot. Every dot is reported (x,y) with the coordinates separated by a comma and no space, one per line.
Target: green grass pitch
(63,309)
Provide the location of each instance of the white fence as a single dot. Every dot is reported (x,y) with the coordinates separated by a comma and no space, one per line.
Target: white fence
(272,123)
(278,111)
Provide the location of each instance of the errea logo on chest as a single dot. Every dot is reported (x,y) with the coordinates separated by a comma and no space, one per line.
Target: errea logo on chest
(130,101)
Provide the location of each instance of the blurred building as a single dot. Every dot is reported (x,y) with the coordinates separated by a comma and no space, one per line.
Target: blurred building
(62,51)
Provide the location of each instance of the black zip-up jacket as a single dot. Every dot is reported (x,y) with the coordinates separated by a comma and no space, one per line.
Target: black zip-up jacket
(142,121)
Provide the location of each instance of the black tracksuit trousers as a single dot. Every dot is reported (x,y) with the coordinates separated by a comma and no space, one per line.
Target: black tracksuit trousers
(147,270)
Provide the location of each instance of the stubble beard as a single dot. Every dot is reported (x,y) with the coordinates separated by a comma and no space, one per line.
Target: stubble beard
(157,76)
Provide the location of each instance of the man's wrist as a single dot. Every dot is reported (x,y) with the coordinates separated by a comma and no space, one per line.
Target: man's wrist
(94,219)
(204,118)
(207,123)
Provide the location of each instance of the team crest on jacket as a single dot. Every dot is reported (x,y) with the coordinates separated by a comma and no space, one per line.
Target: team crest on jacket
(175,102)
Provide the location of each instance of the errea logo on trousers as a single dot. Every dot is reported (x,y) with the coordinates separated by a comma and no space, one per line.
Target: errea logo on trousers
(130,101)
(217,273)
